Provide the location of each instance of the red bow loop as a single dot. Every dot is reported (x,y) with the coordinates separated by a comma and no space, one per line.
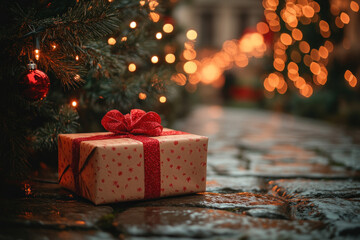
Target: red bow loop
(137,122)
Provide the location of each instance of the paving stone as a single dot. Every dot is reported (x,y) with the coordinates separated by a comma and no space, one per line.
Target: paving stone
(16,232)
(307,188)
(270,206)
(203,223)
(329,209)
(226,184)
(51,212)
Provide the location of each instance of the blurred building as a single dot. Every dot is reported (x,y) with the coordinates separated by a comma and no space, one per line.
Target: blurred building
(217,21)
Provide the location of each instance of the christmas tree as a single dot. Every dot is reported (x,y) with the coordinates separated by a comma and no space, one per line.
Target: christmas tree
(91,56)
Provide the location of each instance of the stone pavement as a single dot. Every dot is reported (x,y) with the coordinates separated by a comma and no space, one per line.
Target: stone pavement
(270,176)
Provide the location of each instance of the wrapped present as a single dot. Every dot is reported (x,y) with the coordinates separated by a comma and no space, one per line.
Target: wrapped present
(137,159)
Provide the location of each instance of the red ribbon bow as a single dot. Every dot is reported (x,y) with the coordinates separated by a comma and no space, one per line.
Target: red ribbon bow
(136,122)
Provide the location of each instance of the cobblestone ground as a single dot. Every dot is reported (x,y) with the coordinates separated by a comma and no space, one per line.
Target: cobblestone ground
(270,176)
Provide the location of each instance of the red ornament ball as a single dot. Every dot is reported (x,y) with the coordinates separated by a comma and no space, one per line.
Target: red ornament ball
(34,85)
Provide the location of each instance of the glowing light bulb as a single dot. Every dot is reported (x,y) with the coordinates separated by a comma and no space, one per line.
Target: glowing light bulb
(168,27)
(54,46)
(37,54)
(191,34)
(77,57)
(162,99)
(154,59)
(133,24)
(111,41)
(132,67)
(142,96)
(170,58)
(190,67)
(74,103)
(123,39)
(158,35)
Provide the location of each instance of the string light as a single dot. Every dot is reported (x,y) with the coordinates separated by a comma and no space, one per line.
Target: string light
(170,58)
(132,67)
(133,24)
(54,46)
(142,96)
(344,17)
(168,27)
(77,57)
(123,39)
(77,77)
(190,67)
(155,17)
(158,35)
(37,54)
(354,6)
(191,34)
(74,103)
(111,41)
(142,2)
(154,59)
(162,99)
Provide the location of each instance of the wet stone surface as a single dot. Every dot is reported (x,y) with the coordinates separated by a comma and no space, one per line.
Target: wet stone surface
(269,176)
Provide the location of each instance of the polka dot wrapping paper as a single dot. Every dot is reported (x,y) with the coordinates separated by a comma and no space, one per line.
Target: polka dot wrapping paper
(116,169)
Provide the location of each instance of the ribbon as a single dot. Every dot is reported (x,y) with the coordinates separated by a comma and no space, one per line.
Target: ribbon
(137,125)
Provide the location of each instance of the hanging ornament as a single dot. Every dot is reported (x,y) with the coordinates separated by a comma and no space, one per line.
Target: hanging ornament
(34,84)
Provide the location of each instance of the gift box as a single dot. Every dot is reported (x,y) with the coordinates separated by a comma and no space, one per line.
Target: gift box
(130,164)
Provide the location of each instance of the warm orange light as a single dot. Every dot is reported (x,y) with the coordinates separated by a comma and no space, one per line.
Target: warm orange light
(154,59)
(315,68)
(267,85)
(179,79)
(132,67)
(329,46)
(77,57)
(308,11)
(168,28)
(190,67)
(347,75)
(300,83)
(189,54)
(279,64)
(273,79)
(123,39)
(170,58)
(142,2)
(304,47)
(191,34)
(323,52)
(54,47)
(344,17)
(153,4)
(111,41)
(155,17)
(133,24)
(142,96)
(314,54)
(283,89)
(210,73)
(158,35)
(293,68)
(74,103)
(285,39)
(297,34)
(324,26)
(353,82)
(339,23)
(262,28)
(37,54)
(77,77)
(241,60)
(354,6)
(162,99)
